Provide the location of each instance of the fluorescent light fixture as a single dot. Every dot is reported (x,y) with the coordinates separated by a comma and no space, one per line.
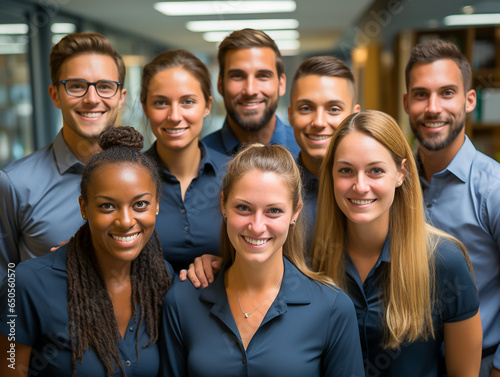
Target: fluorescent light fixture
(230,25)
(14,29)
(218,36)
(288,44)
(472,19)
(62,28)
(196,8)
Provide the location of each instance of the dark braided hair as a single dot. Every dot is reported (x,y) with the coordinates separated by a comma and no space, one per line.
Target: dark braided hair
(91,316)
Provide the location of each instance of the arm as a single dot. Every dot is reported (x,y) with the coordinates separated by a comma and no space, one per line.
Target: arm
(462,347)
(9,225)
(15,358)
(201,271)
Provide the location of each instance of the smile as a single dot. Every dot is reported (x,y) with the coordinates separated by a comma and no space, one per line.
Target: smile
(319,137)
(91,115)
(434,125)
(361,202)
(255,242)
(126,239)
(174,131)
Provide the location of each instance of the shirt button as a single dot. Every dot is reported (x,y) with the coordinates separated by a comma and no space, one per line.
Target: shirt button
(183,210)
(243,361)
(186,229)
(131,329)
(128,363)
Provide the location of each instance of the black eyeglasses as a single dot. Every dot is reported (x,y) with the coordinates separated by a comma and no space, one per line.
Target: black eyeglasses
(78,88)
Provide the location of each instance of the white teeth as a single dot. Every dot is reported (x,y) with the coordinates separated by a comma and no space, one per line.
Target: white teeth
(434,125)
(361,202)
(125,239)
(250,103)
(91,115)
(318,137)
(255,242)
(175,130)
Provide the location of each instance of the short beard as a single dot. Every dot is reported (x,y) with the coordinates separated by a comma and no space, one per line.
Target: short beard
(253,125)
(432,146)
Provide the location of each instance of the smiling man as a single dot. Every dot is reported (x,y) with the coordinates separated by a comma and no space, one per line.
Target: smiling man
(461,186)
(251,81)
(39,193)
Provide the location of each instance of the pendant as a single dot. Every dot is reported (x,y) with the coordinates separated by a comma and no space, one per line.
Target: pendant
(246,315)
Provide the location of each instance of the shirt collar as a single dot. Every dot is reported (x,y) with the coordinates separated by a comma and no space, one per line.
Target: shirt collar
(231,143)
(310,181)
(66,160)
(60,258)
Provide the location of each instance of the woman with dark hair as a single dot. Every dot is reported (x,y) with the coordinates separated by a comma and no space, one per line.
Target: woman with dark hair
(92,307)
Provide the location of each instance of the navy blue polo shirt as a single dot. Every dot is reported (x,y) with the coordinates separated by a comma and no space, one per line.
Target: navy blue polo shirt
(456,300)
(41,321)
(190,228)
(309,330)
(225,141)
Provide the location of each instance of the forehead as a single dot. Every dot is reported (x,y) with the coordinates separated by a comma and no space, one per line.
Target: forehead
(91,67)
(163,80)
(359,148)
(440,73)
(118,175)
(261,185)
(326,88)
(251,59)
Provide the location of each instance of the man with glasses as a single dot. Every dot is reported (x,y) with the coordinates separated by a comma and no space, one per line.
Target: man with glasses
(39,193)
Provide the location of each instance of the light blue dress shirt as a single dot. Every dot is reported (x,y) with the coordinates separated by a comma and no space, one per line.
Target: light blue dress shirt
(309,330)
(39,203)
(464,200)
(225,141)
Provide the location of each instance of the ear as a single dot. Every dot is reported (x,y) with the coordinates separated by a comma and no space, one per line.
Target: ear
(405,103)
(290,115)
(222,203)
(356,108)
(470,99)
(157,207)
(220,87)
(296,214)
(208,106)
(282,85)
(144,109)
(402,171)
(83,208)
(123,94)
(54,96)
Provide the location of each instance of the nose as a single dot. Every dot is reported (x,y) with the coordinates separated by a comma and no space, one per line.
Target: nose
(434,104)
(91,96)
(174,114)
(361,184)
(125,219)
(250,86)
(319,118)
(257,224)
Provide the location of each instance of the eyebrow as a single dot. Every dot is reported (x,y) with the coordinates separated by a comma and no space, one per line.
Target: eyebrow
(333,101)
(112,199)
(350,164)
(267,205)
(418,88)
(240,70)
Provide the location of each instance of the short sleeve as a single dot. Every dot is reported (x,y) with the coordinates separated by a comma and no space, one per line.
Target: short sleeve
(456,289)
(9,224)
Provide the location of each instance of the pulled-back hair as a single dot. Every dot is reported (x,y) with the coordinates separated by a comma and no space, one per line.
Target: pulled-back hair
(92,321)
(173,59)
(329,66)
(275,159)
(408,282)
(438,49)
(245,39)
(83,43)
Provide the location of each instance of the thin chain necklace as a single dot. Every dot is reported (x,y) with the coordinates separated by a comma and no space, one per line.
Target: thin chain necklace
(253,311)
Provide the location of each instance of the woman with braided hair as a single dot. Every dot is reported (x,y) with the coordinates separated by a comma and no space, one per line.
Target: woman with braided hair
(92,307)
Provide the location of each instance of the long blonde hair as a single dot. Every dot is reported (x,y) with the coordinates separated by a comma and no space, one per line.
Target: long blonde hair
(409,282)
(275,159)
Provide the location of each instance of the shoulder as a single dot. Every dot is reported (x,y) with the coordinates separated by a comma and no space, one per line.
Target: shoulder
(448,255)
(487,166)
(213,138)
(180,292)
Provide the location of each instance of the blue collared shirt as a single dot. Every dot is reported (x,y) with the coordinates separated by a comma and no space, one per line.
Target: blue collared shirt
(225,141)
(456,300)
(39,203)
(190,228)
(309,330)
(41,309)
(310,184)
(464,200)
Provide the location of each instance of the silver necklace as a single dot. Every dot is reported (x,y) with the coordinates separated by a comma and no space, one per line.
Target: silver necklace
(253,311)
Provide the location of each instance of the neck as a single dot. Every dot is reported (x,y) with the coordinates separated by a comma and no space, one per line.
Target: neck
(81,147)
(257,277)
(313,165)
(182,163)
(366,240)
(113,273)
(262,136)
(436,161)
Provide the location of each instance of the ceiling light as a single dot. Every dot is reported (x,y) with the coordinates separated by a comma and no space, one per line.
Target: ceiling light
(230,25)
(472,19)
(62,28)
(218,36)
(196,8)
(288,44)
(14,29)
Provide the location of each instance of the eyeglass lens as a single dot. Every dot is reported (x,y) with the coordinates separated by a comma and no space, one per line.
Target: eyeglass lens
(79,88)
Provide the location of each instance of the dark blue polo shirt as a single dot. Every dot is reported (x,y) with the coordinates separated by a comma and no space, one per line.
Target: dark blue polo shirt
(41,321)
(190,228)
(309,330)
(456,300)
(225,141)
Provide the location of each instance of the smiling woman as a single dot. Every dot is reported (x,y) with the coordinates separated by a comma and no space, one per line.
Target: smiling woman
(108,283)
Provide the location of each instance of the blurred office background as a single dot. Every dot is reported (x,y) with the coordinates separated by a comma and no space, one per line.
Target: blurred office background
(373,36)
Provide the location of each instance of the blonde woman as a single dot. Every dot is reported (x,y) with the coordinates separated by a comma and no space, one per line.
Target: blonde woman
(410,283)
